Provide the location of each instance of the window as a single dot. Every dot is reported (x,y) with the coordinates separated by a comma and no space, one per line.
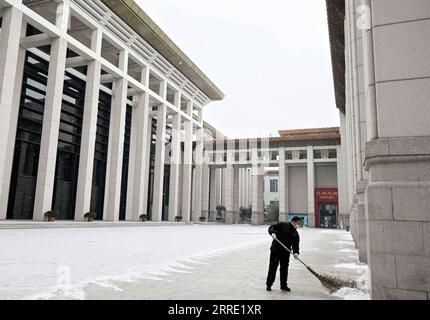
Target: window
(303,154)
(317,154)
(289,155)
(273,185)
(332,153)
(274,155)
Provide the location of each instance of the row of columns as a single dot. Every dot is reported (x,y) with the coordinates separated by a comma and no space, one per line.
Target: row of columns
(229,187)
(12,58)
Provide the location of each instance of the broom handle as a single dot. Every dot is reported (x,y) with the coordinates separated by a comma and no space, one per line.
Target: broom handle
(290,251)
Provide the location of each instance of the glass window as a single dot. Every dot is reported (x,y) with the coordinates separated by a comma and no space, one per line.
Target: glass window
(332,153)
(273,185)
(303,154)
(317,154)
(289,155)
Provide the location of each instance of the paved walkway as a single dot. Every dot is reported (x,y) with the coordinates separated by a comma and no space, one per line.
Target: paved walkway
(241,274)
(167,261)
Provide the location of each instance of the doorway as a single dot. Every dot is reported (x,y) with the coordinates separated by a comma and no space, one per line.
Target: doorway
(327,215)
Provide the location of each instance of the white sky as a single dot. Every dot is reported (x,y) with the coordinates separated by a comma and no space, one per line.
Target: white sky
(271,59)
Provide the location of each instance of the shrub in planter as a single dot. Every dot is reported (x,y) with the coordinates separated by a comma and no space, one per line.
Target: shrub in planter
(51,215)
(90,216)
(202,219)
(178,218)
(143,217)
(220,210)
(245,213)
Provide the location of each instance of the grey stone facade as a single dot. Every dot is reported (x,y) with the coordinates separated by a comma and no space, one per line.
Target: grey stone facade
(386,112)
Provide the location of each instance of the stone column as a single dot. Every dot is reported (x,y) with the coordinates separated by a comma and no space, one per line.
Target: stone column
(342,176)
(198,160)
(12,58)
(284,207)
(213,193)
(257,217)
(236,207)
(175,161)
(115,151)
(187,172)
(223,185)
(89,129)
(228,193)
(250,187)
(139,150)
(311,189)
(205,191)
(361,222)
(146,165)
(242,187)
(397,156)
(353,225)
(160,153)
(51,118)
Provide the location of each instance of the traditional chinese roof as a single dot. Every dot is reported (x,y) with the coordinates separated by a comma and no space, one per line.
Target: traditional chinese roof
(310,134)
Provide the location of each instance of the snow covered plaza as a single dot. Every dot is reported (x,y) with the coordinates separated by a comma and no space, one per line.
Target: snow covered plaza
(169,262)
(103,117)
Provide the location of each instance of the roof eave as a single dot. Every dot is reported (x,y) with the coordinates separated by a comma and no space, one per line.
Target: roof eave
(130,12)
(336,18)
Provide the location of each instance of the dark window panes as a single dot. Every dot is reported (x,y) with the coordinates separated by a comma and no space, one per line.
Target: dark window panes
(317,154)
(303,154)
(332,153)
(273,185)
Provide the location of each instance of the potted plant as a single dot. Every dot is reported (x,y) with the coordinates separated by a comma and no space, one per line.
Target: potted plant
(51,215)
(90,216)
(143,217)
(202,219)
(220,212)
(178,218)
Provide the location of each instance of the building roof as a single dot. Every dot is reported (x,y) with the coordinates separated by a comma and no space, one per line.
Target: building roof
(292,138)
(130,12)
(336,19)
(309,134)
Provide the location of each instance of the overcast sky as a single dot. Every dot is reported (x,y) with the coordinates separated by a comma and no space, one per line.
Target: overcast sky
(271,59)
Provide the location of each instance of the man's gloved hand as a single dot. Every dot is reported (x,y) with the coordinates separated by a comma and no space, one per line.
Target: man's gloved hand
(273,236)
(295,255)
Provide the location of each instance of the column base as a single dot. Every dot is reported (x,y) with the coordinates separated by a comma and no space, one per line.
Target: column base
(212,216)
(311,220)
(257,218)
(283,217)
(361,221)
(206,215)
(229,217)
(397,213)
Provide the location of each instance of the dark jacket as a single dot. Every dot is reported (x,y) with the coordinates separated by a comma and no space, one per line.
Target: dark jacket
(287,234)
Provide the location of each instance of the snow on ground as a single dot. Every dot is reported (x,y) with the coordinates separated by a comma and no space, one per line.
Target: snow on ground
(123,262)
(354,266)
(351,294)
(33,261)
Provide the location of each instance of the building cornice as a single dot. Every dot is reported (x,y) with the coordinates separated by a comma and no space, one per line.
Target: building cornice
(130,12)
(336,24)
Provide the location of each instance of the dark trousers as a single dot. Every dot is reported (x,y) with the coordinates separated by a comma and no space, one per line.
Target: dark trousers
(277,258)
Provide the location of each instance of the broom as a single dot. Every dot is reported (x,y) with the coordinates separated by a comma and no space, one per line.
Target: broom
(331,283)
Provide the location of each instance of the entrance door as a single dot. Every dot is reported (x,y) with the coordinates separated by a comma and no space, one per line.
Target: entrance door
(328,214)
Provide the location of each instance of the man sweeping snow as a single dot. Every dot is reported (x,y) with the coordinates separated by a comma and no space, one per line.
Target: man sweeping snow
(285,232)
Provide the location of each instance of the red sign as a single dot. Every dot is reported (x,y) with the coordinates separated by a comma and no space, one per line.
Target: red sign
(326,195)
